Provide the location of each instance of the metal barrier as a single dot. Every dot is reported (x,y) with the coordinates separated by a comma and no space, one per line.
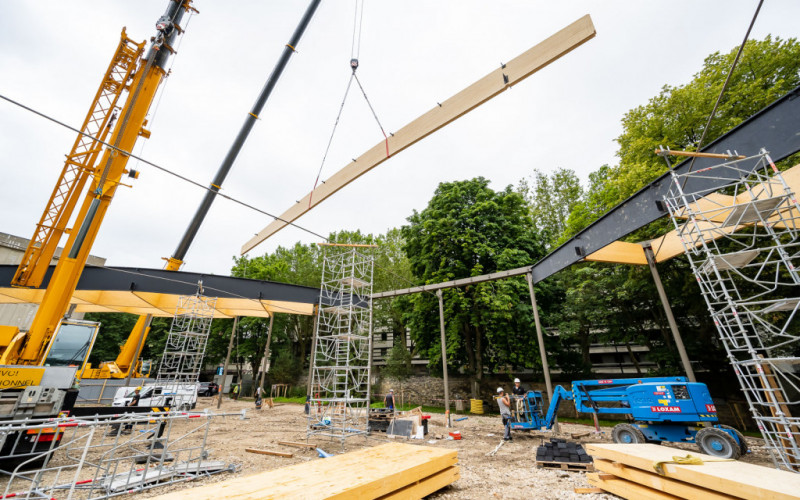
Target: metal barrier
(104,456)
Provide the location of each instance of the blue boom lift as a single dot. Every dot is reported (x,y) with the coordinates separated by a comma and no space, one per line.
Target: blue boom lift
(661,409)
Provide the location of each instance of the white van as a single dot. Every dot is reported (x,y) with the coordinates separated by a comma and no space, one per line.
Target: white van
(182,397)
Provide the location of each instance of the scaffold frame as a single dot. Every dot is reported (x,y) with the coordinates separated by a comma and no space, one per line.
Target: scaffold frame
(185,349)
(743,245)
(342,351)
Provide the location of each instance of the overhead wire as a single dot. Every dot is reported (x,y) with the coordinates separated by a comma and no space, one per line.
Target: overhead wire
(159,167)
(181,177)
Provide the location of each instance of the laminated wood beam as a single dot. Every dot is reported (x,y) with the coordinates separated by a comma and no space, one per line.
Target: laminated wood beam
(366,473)
(738,479)
(652,480)
(425,487)
(628,489)
(453,108)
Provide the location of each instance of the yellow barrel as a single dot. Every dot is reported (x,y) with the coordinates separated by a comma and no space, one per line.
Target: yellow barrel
(476,406)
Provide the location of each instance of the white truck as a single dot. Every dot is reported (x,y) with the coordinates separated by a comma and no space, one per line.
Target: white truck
(177,396)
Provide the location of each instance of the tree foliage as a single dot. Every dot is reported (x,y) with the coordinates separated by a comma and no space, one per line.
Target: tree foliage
(468,229)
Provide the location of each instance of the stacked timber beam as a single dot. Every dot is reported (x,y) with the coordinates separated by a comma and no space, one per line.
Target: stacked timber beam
(389,471)
(627,470)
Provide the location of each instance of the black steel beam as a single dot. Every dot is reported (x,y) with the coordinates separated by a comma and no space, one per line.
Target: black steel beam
(775,128)
(178,283)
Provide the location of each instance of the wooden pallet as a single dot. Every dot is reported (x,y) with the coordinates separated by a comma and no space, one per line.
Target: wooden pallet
(574,466)
(392,470)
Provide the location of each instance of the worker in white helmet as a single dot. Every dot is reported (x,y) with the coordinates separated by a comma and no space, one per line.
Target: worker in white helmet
(518,396)
(505,412)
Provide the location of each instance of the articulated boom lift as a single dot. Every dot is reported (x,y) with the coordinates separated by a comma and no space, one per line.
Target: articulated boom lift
(661,409)
(117,116)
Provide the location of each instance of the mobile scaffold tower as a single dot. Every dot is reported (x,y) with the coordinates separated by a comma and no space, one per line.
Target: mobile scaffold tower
(186,346)
(342,351)
(743,245)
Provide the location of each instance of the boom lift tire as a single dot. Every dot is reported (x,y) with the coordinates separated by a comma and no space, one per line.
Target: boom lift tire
(743,448)
(627,434)
(717,443)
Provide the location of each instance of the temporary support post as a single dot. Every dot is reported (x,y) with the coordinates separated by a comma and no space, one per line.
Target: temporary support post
(651,261)
(542,350)
(444,358)
(313,350)
(227,360)
(266,350)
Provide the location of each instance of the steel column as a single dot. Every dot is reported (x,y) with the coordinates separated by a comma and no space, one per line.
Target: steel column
(444,358)
(542,350)
(266,351)
(687,365)
(227,360)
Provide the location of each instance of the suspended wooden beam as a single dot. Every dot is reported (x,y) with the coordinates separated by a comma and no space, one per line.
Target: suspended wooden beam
(468,99)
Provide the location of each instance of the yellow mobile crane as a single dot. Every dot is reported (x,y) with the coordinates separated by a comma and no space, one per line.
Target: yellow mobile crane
(127,363)
(117,118)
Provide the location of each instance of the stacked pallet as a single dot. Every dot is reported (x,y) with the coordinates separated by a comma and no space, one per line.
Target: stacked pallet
(392,470)
(627,470)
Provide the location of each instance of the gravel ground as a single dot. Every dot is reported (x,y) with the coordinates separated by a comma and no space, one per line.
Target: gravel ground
(509,474)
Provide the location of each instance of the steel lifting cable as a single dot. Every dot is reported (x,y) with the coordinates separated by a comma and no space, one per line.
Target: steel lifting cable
(355,50)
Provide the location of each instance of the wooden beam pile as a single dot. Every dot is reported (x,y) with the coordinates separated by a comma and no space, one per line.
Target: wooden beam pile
(389,471)
(627,470)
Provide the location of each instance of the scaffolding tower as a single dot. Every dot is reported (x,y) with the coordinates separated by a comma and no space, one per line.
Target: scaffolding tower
(183,356)
(339,389)
(742,244)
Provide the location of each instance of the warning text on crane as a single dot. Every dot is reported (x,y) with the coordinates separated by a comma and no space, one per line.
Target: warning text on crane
(19,378)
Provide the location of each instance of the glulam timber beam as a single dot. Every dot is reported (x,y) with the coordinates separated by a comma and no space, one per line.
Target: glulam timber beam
(450,110)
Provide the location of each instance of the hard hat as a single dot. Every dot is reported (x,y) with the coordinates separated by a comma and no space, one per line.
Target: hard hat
(499,389)
(516,381)
(391,390)
(139,388)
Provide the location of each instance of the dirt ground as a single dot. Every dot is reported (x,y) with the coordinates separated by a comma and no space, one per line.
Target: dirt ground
(509,474)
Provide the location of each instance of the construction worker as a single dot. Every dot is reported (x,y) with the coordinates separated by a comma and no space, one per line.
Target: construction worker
(235,392)
(258,401)
(505,411)
(114,428)
(388,400)
(518,395)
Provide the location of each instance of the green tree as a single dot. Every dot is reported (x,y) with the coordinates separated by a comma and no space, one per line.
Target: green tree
(114,331)
(468,229)
(676,118)
(551,198)
(398,364)
(619,300)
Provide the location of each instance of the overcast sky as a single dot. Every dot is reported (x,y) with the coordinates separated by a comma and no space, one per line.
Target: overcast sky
(413,54)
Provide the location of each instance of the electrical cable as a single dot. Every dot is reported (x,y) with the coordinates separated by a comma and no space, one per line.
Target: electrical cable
(159,167)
